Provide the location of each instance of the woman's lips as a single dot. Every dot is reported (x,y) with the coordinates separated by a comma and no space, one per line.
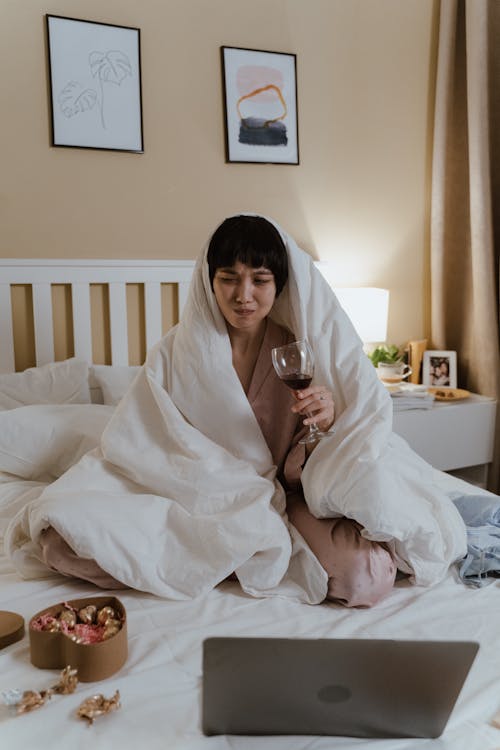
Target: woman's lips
(244,312)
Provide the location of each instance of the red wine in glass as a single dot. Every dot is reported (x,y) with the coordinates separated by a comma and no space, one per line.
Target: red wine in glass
(294,365)
(297,382)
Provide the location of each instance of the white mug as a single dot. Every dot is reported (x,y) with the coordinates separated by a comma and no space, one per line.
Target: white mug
(393,372)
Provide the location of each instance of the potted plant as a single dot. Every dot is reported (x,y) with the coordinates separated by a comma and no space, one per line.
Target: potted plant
(387,354)
(389,361)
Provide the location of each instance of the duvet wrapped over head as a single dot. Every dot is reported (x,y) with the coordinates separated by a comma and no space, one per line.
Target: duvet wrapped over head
(181,490)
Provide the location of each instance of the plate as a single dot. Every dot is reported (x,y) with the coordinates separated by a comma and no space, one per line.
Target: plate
(393,386)
(449,394)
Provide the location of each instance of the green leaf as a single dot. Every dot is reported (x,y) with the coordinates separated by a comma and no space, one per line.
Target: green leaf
(387,354)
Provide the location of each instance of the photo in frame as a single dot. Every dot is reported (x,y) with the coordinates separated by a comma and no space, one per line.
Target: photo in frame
(439,368)
(260,106)
(95,84)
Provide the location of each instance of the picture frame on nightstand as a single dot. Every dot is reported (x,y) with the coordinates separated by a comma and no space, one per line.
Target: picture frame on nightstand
(439,368)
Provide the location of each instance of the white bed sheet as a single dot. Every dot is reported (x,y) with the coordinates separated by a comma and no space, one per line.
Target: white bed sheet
(160,684)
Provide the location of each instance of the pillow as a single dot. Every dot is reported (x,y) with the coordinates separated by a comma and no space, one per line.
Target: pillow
(63,382)
(41,442)
(113,380)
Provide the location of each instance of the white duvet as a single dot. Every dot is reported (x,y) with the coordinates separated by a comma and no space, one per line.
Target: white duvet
(181,489)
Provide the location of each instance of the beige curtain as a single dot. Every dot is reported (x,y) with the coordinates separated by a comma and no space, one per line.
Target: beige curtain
(465,214)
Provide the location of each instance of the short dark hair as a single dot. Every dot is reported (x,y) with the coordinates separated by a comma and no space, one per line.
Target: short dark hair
(251,240)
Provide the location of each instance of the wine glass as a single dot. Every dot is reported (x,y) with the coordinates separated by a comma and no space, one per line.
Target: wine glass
(294,365)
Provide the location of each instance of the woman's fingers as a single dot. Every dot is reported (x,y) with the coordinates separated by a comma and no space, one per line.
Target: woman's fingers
(316,398)
(316,402)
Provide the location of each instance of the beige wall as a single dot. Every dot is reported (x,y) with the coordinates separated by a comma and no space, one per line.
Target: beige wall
(359,197)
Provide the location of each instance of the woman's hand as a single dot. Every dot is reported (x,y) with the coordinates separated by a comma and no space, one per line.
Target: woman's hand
(316,403)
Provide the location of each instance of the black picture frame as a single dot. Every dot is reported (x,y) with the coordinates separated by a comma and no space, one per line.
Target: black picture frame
(260,106)
(95,84)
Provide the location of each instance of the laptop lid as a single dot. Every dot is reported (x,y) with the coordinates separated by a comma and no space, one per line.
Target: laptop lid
(348,687)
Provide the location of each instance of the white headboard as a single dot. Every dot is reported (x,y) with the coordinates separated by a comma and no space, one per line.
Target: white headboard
(79,274)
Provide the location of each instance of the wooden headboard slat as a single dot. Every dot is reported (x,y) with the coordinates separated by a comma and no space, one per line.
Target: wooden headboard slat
(44,323)
(82,330)
(6,332)
(118,323)
(152,305)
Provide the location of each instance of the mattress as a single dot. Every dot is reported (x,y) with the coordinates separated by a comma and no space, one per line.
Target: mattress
(160,684)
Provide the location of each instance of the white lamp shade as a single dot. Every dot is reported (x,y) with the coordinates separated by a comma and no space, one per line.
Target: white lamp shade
(368,309)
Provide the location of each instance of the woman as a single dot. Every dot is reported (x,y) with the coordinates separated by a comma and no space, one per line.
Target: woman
(248,269)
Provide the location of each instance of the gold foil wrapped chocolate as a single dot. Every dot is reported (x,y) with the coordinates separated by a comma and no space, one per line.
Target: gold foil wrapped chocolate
(51,625)
(68,681)
(98,705)
(32,699)
(105,614)
(69,617)
(110,631)
(112,623)
(87,614)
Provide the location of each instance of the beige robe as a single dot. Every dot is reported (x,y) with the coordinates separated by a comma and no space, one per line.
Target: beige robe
(360,571)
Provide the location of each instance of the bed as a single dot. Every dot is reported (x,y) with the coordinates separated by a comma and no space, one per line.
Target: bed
(160,683)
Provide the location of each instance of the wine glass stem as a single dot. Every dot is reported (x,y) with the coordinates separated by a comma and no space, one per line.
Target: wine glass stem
(313,427)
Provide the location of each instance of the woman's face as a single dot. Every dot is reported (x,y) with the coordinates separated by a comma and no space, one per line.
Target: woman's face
(245,295)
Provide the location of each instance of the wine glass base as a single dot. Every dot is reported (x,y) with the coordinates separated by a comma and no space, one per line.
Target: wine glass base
(312,437)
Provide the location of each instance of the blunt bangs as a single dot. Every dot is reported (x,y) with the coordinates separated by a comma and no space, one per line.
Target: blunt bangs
(251,240)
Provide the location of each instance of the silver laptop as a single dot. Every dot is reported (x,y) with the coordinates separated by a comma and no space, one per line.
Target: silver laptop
(347,687)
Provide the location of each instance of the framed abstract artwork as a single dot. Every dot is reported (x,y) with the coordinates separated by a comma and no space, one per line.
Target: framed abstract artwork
(260,106)
(95,84)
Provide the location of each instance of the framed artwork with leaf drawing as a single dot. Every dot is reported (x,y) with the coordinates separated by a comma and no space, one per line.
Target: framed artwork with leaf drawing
(260,106)
(95,84)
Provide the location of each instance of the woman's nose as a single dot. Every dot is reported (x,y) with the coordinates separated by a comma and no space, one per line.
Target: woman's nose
(244,291)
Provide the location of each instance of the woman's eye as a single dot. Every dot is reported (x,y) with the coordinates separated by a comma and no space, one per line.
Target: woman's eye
(233,280)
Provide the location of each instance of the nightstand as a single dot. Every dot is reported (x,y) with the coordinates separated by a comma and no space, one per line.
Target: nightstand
(454,437)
